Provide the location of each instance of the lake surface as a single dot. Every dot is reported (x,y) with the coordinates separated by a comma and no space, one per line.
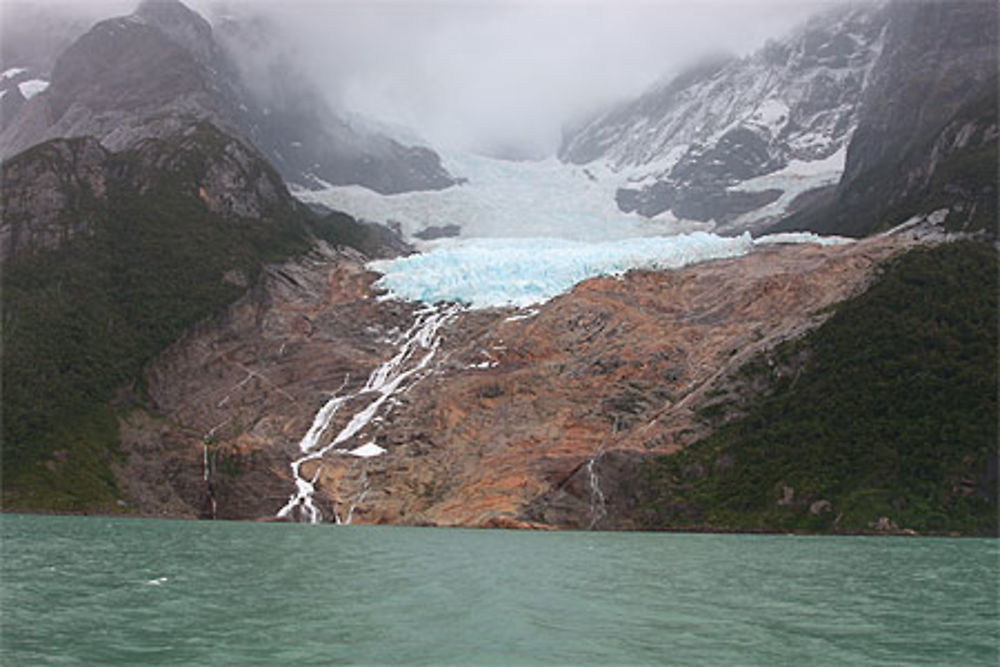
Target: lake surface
(83,590)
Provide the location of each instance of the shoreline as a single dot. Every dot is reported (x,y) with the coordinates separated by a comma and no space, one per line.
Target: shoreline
(691,530)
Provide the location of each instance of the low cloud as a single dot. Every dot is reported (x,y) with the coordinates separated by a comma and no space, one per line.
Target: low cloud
(493,74)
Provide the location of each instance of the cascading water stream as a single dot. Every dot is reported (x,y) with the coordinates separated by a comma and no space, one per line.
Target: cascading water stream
(417,347)
(598,509)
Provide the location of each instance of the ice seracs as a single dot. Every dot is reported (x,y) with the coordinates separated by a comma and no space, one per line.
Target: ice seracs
(484,273)
(503,199)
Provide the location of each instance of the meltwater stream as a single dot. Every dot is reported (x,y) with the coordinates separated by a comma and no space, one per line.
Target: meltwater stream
(416,348)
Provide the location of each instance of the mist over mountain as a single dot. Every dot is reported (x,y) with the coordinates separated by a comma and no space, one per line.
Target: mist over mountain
(152,71)
(483,76)
(701,144)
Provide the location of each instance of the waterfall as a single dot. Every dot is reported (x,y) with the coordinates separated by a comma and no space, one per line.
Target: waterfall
(598,509)
(416,349)
(361,496)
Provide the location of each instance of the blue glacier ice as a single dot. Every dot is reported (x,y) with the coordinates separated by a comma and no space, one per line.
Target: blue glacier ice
(490,272)
(487,272)
(532,230)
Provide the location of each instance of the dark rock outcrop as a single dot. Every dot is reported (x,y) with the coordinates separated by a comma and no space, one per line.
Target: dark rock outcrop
(61,189)
(108,258)
(53,196)
(149,74)
(928,126)
(688,144)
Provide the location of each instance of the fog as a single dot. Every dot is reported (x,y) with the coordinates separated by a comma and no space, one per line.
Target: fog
(491,74)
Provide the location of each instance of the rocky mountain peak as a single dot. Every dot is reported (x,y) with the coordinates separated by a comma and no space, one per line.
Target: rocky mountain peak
(154,72)
(697,146)
(926,136)
(182,24)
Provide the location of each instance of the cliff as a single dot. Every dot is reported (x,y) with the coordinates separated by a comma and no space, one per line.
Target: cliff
(108,257)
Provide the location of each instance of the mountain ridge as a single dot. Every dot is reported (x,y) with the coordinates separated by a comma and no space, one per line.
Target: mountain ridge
(689,142)
(141,75)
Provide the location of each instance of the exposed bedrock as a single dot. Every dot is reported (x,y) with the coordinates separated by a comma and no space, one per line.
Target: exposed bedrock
(521,421)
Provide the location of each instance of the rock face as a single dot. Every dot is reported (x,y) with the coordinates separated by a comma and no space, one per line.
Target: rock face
(937,58)
(45,200)
(60,189)
(890,104)
(110,256)
(158,70)
(690,143)
(235,389)
(537,419)
(927,125)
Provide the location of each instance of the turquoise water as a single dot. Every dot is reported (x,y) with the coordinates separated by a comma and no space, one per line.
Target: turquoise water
(79,590)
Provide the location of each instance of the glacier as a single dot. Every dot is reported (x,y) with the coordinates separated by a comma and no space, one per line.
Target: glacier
(503,199)
(520,272)
(532,230)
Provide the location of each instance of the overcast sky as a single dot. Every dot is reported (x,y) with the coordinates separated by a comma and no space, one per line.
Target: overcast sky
(483,73)
(479,74)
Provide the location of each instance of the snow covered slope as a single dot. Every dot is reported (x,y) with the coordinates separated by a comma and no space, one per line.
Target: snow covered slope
(699,144)
(501,198)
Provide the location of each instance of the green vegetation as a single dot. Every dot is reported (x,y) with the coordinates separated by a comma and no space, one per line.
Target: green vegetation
(81,321)
(892,413)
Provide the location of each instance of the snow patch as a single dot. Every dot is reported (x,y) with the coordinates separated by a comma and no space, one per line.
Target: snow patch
(648,172)
(771,114)
(801,237)
(367,451)
(798,177)
(12,72)
(32,87)
(528,314)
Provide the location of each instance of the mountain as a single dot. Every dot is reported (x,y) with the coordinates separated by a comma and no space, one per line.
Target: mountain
(928,126)
(831,129)
(108,257)
(182,337)
(733,139)
(31,38)
(882,419)
(629,402)
(152,72)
